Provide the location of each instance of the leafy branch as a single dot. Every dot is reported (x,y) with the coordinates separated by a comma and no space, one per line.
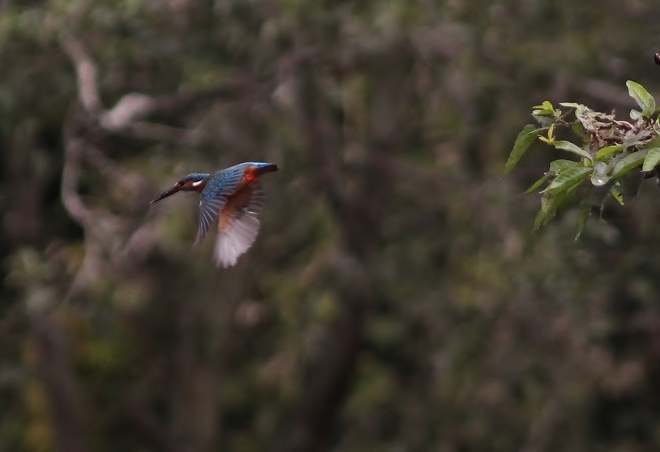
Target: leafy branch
(609,156)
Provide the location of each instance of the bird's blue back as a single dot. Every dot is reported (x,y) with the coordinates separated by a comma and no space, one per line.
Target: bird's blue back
(225,181)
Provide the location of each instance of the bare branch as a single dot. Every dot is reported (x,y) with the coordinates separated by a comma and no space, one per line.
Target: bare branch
(99,223)
(86,71)
(134,106)
(70,177)
(100,226)
(130,107)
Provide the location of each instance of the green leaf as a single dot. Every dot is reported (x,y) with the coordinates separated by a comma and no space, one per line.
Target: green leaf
(651,159)
(546,105)
(635,114)
(597,194)
(629,162)
(583,215)
(604,152)
(568,179)
(536,184)
(526,136)
(550,204)
(557,166)
(543,113)
(577,129)
(629,184)
(643,98)
(617,195)
(570,147)
(570,105)
(654,143)
(599,177)
(544,121)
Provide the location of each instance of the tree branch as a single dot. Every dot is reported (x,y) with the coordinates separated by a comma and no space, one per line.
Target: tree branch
(73,150)
(86,70)
(133,107)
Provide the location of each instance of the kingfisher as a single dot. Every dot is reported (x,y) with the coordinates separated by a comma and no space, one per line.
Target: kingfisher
(232,197)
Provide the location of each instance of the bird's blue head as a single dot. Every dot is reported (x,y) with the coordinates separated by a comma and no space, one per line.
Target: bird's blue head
(191,182)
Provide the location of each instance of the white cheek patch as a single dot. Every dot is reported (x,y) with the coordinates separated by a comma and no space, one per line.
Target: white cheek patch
(197,184)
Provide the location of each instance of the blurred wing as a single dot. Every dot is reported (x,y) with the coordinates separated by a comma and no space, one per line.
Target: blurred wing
(257,199)
(214,197)
(208,212)
(238,226)
(236,239)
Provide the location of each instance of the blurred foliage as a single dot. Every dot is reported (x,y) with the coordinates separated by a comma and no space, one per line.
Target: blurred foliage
(117,334)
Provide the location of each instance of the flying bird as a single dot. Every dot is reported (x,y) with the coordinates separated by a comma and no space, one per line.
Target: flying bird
(231,197)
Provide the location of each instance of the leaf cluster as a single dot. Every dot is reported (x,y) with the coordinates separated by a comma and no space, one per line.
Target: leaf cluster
(607,161)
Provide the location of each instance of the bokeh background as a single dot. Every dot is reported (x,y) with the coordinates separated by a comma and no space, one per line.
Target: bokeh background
(396,298)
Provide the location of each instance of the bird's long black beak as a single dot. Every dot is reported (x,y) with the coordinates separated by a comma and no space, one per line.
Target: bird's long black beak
(166,193)
(267,168)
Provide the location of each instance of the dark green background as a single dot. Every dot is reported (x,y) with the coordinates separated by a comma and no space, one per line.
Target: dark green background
(396,298)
